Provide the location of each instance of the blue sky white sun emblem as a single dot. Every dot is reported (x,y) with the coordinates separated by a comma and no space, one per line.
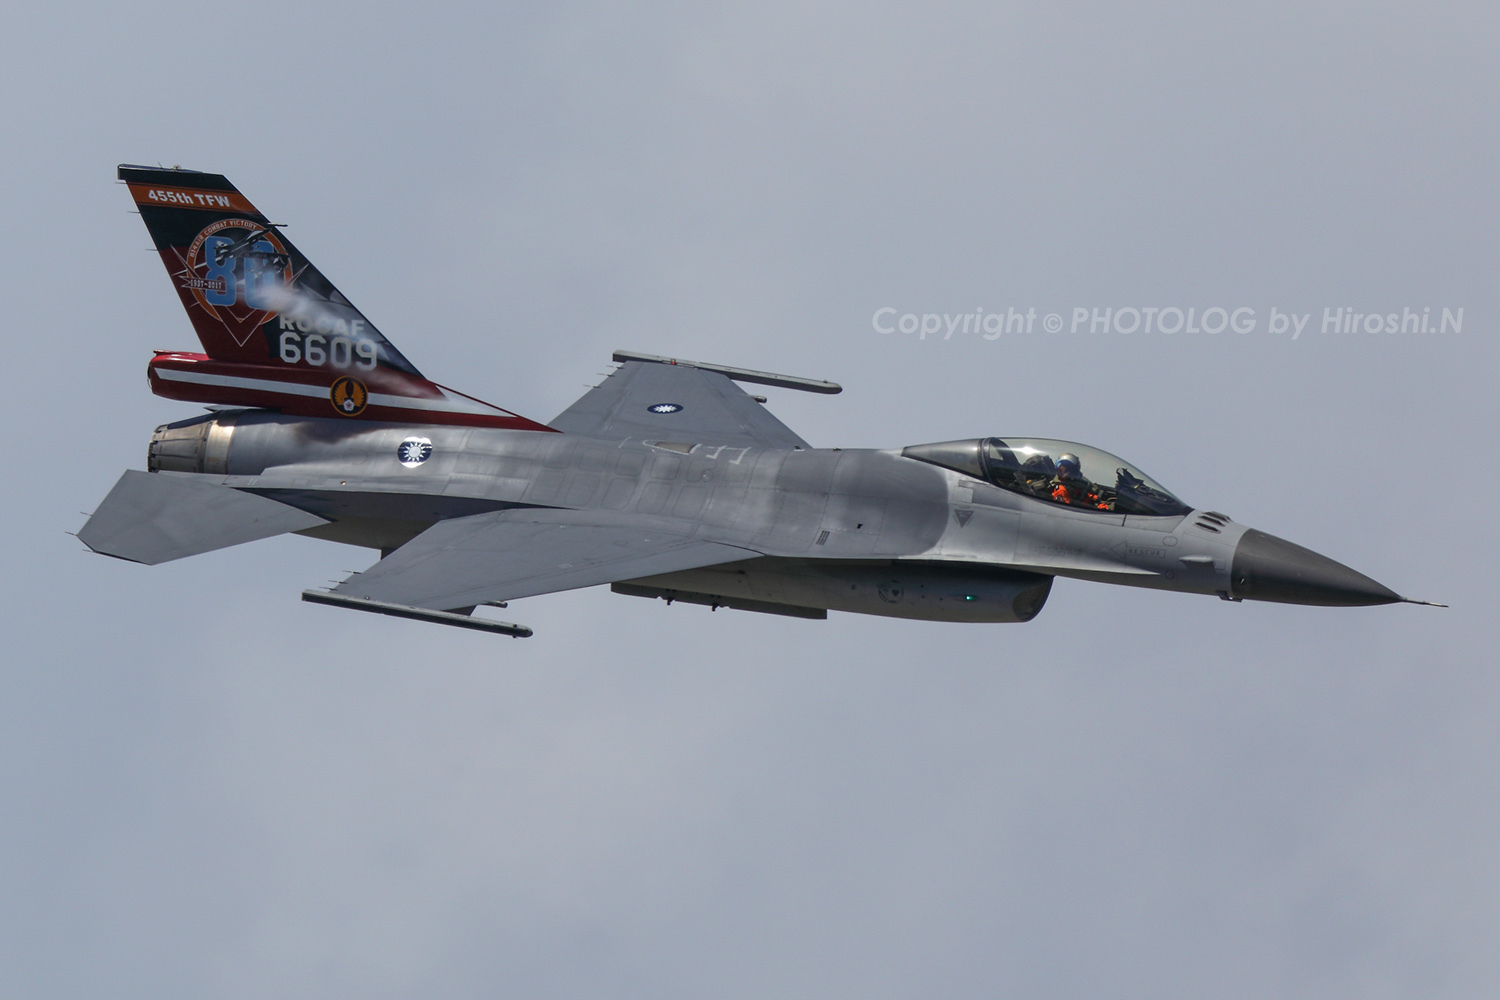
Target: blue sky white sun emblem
(414,451)
(664,407)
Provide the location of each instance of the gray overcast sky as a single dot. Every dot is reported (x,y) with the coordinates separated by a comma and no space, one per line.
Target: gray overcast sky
(209,789)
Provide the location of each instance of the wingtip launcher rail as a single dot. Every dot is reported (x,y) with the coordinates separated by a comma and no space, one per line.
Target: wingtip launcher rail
(739,374)
(416,614)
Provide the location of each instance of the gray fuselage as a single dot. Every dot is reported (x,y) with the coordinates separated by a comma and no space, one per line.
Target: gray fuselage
(861,530)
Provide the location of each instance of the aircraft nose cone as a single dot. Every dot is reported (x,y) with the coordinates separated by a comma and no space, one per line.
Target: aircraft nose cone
(1267,568)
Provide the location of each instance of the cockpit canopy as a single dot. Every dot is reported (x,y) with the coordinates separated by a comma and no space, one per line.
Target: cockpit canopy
(1030,466)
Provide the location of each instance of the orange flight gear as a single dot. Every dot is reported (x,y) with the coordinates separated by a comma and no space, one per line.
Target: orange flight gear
(1061,495)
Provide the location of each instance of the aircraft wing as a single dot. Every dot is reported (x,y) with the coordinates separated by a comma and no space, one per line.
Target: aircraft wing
(502,555)
(667,400)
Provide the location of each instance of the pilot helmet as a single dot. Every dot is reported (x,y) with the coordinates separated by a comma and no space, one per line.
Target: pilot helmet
(1068,466)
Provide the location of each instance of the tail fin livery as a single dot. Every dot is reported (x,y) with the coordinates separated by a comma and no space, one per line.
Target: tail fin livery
(275,332)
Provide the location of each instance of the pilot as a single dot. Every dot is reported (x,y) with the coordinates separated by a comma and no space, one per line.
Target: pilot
(1070,486)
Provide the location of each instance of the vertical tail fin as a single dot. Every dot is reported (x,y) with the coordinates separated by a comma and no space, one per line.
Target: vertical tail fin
(275,331)
(241,280)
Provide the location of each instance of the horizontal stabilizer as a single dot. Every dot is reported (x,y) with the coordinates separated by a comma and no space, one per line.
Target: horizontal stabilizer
(157,517)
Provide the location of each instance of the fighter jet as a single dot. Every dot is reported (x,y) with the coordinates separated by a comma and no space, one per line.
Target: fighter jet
(667,480)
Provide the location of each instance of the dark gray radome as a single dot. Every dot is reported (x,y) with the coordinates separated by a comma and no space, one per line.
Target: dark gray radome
(1267,568)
